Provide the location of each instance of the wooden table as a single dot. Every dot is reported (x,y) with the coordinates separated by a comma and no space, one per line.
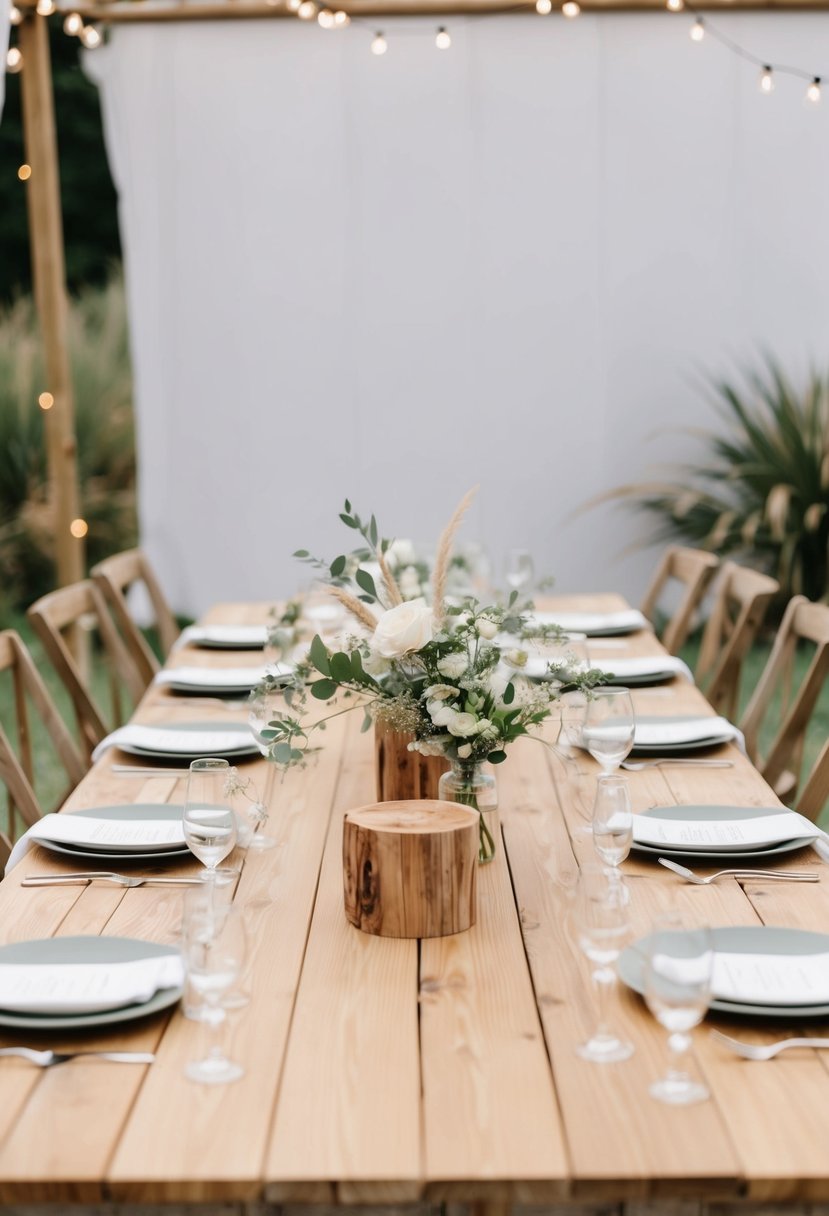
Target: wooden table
(382,1071)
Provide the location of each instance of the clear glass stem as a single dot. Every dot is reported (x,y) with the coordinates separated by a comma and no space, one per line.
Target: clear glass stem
(679,1046)
(604,979)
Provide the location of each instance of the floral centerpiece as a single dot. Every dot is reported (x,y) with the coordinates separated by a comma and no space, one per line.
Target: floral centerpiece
(446,673)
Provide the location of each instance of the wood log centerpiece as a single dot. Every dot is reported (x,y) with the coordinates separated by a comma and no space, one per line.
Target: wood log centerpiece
(410,868)
(402,774)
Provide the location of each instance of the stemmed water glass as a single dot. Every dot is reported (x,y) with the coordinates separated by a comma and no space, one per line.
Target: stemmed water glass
(519,570)
(600,923)
(678,966)
(609,726)
(569,743)
(214,950)
(208,821)
(612,820)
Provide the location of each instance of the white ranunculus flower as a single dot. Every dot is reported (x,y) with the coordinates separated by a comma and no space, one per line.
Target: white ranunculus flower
(453,665)
(442,714)
(516,657)
(402,629)
(465,751)
(436,746)
(483,725)
(462,725)
(486,628)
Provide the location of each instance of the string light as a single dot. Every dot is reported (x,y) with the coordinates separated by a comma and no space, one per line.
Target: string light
(570,9)
(14,60)
(341,19)
(442,39)
(766,80)
(326,18)
(46,401)
(307,10)
(813,91)
(293,5)
(24,172)
(676,6)
(379,46)
(698,30)
(45,8)
(15,15)
(543,7)
(79,528)
(90,37)
(73,24)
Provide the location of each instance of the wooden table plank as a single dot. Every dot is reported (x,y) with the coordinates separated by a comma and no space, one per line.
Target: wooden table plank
(348,1118)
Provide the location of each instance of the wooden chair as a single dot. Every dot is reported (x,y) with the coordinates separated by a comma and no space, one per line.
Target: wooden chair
(741,600)
(803,623)
(81,607)
(17,769)
(815,791)
(115,576)
(693,569)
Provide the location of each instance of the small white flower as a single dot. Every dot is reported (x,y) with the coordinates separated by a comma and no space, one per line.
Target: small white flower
(483,725)
(453,665)
(375,664)
(462,725)
(436,746)
(486,628)
(440,692)
(442,715)
(408,580)
(516,657)
(465,751)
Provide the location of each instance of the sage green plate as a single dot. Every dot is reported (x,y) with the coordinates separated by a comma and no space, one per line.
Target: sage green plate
(743,939)
(668,749)
(716,858)
(136,810)
(245,747)
(105,950)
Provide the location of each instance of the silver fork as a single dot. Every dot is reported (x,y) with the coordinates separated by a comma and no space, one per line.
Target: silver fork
(121,880)
(132,770)
(46,1059)
(636,766)
(755,1051)
(777,875)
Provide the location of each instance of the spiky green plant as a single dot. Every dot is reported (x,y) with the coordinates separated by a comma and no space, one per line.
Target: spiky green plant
(763,493)
(106,456)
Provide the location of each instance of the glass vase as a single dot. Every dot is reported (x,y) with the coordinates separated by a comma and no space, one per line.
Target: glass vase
(471,785)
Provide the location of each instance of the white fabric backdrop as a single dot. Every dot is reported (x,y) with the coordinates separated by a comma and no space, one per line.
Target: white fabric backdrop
(390,278)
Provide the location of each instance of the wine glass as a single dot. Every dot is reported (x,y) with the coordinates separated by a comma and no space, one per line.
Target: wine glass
(569,743)
(208,820)
(214,951)
(678,966)
(612,820)
(601,924)
(519,570)
(609,725)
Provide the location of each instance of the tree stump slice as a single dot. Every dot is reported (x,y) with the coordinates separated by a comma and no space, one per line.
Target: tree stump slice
(410,868)
(402,774)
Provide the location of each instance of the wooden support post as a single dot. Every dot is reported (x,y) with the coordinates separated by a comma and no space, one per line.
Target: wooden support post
(49,277)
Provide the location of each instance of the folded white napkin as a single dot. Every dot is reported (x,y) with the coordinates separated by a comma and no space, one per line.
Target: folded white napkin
(723,835)
(628,667)
(662,733)
(85,987)
(215,677)
(133,835)
(756,979)
(627,619)
(164,739)
(224,635)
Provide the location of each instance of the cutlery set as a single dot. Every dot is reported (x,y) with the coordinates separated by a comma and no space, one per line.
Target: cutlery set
(121,880)
(776,875)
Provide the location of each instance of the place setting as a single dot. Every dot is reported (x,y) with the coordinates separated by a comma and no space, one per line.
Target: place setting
(181,742)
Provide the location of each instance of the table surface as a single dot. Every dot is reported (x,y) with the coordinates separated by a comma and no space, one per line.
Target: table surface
(384,1071)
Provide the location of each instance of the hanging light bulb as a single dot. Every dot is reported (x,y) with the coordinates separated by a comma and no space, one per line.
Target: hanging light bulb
(73,24)
(15,15)
(45,8)
(813,91)
(766,80)
(90,37)
(293,5)
(675,6)
(698,30)
(570,9)
(442,39)
(307,10)
(325,18)
(14,60)
(341,19)
(543,7)
(379,46)
(24,172)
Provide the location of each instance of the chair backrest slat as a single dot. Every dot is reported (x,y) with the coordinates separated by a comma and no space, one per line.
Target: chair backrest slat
(115,576)
(740,604)
(693,569)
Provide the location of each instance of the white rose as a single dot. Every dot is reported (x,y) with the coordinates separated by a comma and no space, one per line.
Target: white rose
(453,666)
(462,725)
(441,714)
(516,658)
(401,553)
(486,628)
(465,751)
(403,629)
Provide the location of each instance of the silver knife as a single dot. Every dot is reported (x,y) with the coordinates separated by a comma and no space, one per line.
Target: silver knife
(123,880)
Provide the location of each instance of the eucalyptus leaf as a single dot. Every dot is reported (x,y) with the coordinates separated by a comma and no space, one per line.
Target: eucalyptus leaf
(337,566)
(323,690)
(318,654)
(509,694)
(366,583)
(340,664)
(497,757)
